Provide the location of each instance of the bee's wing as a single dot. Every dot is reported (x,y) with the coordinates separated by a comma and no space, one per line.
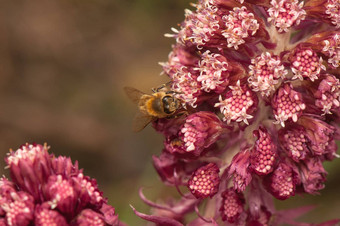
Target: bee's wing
(133,94)
(141,121)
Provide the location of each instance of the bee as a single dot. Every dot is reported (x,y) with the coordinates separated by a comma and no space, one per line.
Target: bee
(159,104)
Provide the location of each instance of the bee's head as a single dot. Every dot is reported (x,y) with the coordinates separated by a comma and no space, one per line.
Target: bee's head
(170,104)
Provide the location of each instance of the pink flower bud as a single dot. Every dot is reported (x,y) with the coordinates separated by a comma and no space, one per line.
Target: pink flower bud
(205,181)
(287,104)
(312,175)
(200,130)
(263,155)
(239,169)
(49,190)
(89,217)
(232,205)
(328,95)
(238,104)
(281,183)
(44,216)
(295,142)
(30,166)
(305,63)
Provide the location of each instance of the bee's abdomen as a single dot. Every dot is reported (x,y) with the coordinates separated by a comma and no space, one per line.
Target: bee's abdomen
(155,107)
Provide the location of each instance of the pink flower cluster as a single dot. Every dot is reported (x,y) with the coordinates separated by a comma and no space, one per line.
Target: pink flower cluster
(50,191)
(260,84)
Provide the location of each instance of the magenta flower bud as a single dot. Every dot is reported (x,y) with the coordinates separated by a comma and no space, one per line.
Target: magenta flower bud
(169,168)
(264,154)
(89,217)
(175,146)
(328,95)
(64,166)
(295,142)
(200,130)
(330,151)
(88,190)
(109,215)
(232,205)
(205,181)
(44,216)
(6,189)
(238,104)
(62,195)
(287,104)
(178,58)
(281,183)
(312,175)
(318,132)
(29,167)
(239,169)
(49,190)
(194,137)
(306,64)
(20,209)
(263,217)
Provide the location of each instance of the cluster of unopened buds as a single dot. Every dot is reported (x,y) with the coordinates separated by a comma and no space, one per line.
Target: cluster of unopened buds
(259,80)
(50,191)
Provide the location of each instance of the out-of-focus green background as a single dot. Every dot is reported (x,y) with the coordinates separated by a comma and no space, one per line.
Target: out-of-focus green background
(63,65)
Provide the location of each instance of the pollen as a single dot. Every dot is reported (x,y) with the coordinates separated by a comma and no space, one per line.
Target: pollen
(205,181)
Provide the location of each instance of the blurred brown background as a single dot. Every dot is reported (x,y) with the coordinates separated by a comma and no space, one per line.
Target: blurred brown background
(63,65)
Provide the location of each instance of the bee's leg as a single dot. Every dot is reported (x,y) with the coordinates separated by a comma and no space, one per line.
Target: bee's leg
(173,92)
(181,113)
(155,90)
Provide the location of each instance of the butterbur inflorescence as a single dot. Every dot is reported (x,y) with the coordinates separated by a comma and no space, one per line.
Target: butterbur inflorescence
(48,190)
(260,84)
